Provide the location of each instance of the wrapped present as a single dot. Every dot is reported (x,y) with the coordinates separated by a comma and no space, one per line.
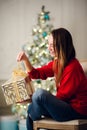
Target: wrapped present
(17,89)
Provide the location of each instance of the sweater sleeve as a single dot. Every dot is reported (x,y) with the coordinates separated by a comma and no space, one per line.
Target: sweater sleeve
(42,72)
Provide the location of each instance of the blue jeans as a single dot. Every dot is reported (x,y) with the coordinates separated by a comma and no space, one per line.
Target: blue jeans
(46,104)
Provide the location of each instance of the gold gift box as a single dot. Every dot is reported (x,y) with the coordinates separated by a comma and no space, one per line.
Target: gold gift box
(19,90)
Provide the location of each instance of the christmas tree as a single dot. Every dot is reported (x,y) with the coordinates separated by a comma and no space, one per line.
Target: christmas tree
(37,51)
(38,54)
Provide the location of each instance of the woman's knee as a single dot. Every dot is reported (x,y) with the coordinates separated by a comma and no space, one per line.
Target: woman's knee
(39,93)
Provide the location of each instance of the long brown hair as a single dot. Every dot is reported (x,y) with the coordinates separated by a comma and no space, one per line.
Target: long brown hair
(64,51)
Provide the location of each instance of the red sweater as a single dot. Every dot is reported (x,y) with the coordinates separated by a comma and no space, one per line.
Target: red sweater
(73,84)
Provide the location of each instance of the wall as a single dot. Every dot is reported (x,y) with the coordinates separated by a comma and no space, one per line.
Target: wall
(17,18)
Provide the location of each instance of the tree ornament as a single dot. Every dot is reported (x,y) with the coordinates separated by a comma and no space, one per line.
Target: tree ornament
(46,17)
(44,34)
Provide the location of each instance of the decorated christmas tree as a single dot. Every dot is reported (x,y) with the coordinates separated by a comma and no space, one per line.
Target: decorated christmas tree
(37,51)
(38,54)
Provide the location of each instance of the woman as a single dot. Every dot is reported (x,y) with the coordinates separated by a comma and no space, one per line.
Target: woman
(70,101)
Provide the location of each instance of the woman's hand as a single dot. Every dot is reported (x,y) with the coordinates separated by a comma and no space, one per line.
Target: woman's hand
(22,57)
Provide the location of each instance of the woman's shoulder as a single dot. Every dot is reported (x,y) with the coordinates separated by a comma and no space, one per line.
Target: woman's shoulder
(73,64)
(50,63)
